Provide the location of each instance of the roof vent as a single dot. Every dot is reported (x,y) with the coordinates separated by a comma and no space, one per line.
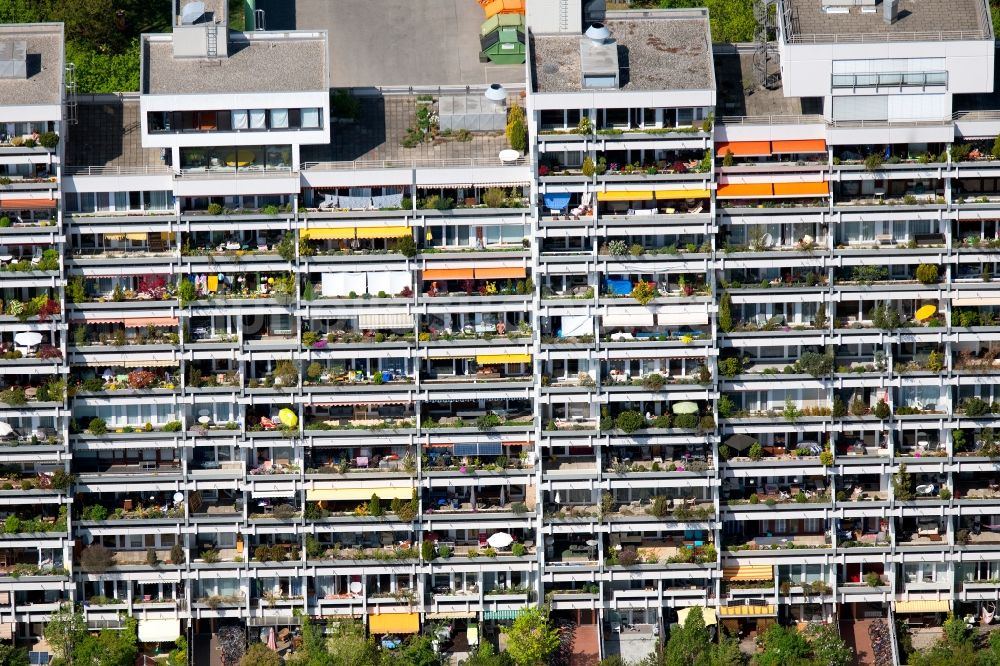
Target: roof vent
(890,11)
(13,60)
(496,93)
(192,12)
(598,33)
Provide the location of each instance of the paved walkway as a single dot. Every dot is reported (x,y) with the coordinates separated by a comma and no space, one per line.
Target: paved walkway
(585,651)
(856,635)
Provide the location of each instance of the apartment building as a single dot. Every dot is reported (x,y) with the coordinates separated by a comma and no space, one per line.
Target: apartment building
(348,355)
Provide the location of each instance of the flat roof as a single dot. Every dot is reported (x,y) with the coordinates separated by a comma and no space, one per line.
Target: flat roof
(258,63)
(384,121)
(44,65)
(918,20)
(396,42)
(657,51)
(107,135)
(732,69)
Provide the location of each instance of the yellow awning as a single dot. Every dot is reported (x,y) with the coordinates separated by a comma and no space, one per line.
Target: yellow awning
(931,606)
(748,611)
(635,195)
(486,359)
(359,494)
(332,233)
(383,232)
(749,572)
(131,236)
(394,623)
(707,614)
(664,195)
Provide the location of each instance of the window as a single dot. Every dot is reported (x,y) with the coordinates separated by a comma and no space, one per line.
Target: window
(310,118)
(240,121)
(279,118)
(258,119)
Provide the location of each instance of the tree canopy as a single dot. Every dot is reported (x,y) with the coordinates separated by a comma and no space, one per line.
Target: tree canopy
(531,640)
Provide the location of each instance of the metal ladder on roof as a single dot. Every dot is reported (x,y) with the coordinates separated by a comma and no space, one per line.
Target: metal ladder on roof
(213,41)
(563,15)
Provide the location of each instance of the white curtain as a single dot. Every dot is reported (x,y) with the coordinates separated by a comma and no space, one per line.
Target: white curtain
(240,121)
(310,118)
(257,119)
(279,118)
(342,284)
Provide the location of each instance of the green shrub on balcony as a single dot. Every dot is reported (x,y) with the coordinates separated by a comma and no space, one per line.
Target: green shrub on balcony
(756,451)
(686,421)
(976,407)
(927,273)
(881,410)
(94,512)
(630,420)
(730,367)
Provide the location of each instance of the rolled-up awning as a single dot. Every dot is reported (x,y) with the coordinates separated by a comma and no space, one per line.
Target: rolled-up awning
(401,320)
(626,195)
(159,630)
(743,148)
(814,189)
(394,623)
(748,611)
(556,201)
(973,302)
(129,236)
(358,494)
(137,322)
(628,320)
(499,273)
(744,190)
(707,614)
(748,572)
(486,359)
(924,606)
(448,274)
(669,195)
(328,233)
(96,319)
(798,146)
(383,232)
(26,204)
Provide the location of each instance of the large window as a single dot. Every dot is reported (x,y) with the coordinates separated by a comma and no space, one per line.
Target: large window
(235,120)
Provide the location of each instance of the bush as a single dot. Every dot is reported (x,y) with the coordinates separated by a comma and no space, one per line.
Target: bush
(643,292)
(177,554)
(881,410)
(976,407)
(517,129)
(94,512)
(630,421)
(858,408)
(725,313)
(518,549)
(97,426)
(653,382)
(726,407)
(686,421)
(839,410)
(628,556)
(375,506)
(756,451)
(427,550)
(214,209)
(96,559)
(151,557)
(406,246)
(730,367)
(49,140)
(927,273)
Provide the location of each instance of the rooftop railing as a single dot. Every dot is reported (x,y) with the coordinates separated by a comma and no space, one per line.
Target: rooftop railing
(455,163)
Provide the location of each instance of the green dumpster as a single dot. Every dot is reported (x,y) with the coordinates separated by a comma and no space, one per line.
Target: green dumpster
(497,21)
(504,47)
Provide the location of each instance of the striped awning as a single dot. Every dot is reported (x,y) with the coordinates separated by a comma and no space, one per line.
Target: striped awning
(626,195)
(749,572)
(503,614)
(138,322)
(748,611)
(328,233)
(383,232)
(129,236)
(486,359)
(669,195)
(399,321)
(924,606)
(394,623)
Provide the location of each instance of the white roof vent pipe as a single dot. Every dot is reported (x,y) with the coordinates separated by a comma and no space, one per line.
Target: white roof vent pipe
(496,93)
(598,33)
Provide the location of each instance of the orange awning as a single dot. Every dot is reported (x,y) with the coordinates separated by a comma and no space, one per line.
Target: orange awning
(448,274)
(496,273)
(799,146)
(394,623)
(744,190)
(820,189)
(743,148)
(136,322)
(24,204)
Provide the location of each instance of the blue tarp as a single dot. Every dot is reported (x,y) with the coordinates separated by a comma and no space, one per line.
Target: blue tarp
(620,287)
(556,201)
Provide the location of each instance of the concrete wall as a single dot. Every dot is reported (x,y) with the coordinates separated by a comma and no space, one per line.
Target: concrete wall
(543,16)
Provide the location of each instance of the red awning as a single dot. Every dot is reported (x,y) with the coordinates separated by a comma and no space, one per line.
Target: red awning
(24,204)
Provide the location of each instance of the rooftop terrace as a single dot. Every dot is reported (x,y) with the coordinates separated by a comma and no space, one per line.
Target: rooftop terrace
(918,20)
(656,51)
(108,135)
(732,69)
(384,123)
(257,63)
(44,65)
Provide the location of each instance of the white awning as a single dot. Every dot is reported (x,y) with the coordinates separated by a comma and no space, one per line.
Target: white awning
(575,325)
(159,631)
(342,284)
(974,302)
(274,494)
(629,320)
(399,320)
(682,319)
(390,282)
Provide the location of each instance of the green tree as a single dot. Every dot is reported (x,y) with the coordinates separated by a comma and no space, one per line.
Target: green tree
(990,654)
(726,312)
(259,654)
(11,655)
(783,646)
(90,22)
(531,640)
(688,644)
(828,648)
(109,648)
(348,646)
(418,651)
(65,629)
(179,655)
